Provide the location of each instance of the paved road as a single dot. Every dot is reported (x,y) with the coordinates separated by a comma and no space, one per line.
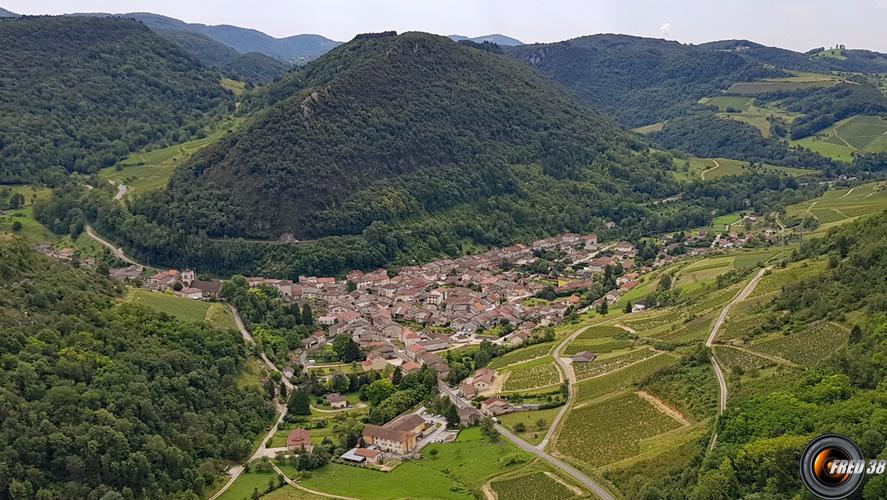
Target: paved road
(560,464)
(722,383)
(118,252)
(121,190)
(571,379)
(308,490)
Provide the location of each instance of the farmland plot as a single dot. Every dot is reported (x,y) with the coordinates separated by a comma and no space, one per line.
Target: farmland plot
(806,348)
(602,366)
(539,485)
(597,332)
(531,375)
(731,359)
(521,355)
(597,346)
(779,278)
(623,379)
(609,431)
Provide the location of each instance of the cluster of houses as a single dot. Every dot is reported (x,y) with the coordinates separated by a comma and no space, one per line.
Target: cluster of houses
(65,254)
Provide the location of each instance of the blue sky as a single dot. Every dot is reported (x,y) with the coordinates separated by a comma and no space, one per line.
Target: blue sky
(795,24)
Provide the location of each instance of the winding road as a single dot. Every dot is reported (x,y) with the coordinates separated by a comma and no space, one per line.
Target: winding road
(117,251)
(722,383)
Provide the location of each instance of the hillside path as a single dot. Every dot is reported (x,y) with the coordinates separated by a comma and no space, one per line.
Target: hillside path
(722,383)
(117,251)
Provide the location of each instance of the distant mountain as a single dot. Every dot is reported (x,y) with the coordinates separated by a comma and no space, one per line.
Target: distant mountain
(251,67)
(393,129)
(853,60)
(503,40)
(297,49)
(133,88)
(637,80)
(6,13)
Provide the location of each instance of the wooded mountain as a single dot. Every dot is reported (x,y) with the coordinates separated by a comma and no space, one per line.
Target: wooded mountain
(498,39)
(852,60)
(6,13)
(297,49)
(107,400)
(389,128)
(637,80)
(251,67)
(79,93)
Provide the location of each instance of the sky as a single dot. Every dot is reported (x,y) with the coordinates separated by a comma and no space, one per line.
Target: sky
(794,24)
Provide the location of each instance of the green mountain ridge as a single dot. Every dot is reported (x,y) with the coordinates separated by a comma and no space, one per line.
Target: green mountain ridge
(392,127)
(133,88)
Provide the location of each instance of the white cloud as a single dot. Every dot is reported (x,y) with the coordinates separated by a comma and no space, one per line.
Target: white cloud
(665,29)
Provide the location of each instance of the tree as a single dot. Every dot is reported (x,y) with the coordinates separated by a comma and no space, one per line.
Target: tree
(299,403)
(627,308)
(520,428)
(664,282)
(17,200)
(855,334)
(307,316)
(488,428)
(379,390)
(603,308)
(345,347)
(17,226)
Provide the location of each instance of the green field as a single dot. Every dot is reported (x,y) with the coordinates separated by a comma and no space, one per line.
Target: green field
(797,82)
(611,430)
(841,140)
(839,206)
(150,170)
(457,471)
(182,308)
(534,433)
(243,487)
(649,129)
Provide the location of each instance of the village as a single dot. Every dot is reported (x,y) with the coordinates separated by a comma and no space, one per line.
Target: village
(411,318)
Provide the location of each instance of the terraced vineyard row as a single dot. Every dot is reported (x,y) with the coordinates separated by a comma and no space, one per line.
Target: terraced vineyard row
(805,348)
(530,377)
(731,359)
(602,366)
(523,354)
(625,378)
(609,431)
(536,486)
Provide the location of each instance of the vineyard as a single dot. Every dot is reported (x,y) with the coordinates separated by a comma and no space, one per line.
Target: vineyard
(538,485)
(805,348)
(690,387)
(731,359)
(597,346)
(779,278)
(602,366)
(599,332)
(530,375)
(521,355)
(628,377)
(695,329)
(609,431)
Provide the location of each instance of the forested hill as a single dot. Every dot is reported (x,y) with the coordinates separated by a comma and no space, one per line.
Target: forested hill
(79,93)
(637,80)
(111,401)
(389,128)
(817,60)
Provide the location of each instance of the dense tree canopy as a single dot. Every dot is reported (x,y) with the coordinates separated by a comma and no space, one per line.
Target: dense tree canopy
(98,398)
(79,93)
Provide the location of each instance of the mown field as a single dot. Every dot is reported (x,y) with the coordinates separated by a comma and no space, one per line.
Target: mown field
(182,308)
(456,471)
(796,82)
(842,139)
(149,170)
(536,423)
(840,206)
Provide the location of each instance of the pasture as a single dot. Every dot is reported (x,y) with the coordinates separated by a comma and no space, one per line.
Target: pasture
(146,171)
(842,139)
(182,308)
(839,206)
(456,471)
(243,487)
(531,420)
